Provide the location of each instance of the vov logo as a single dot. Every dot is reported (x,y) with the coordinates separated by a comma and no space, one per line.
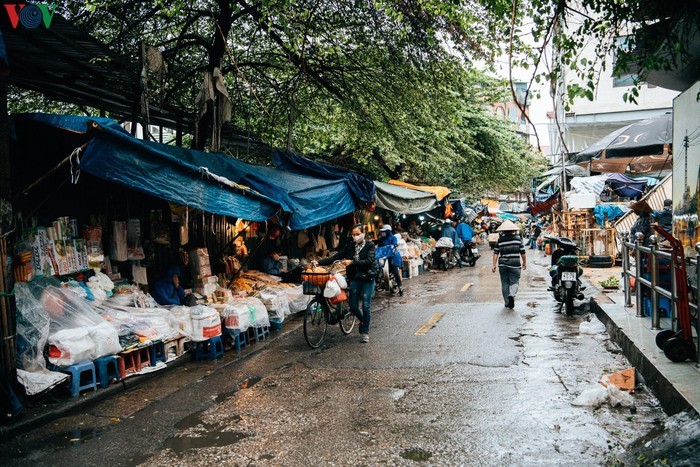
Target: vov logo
(30,15)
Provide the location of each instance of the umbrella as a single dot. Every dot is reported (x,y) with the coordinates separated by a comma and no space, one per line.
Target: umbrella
(642,146)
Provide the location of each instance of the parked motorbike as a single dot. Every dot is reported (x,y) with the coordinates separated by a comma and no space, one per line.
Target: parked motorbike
(469,253)
(566,273)
(443,257)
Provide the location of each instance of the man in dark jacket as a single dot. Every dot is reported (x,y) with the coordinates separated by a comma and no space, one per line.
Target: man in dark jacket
(359,259)
(664,217)
(509,256)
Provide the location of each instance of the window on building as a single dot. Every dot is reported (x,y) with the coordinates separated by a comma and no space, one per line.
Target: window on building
(627,79)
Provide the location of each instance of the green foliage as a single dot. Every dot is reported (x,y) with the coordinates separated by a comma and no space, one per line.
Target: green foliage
(386,87)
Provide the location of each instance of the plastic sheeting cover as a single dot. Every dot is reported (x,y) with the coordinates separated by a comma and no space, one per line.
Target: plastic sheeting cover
(404,200)
(362,187)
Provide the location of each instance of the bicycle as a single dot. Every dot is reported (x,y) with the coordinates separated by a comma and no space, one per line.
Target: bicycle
(322,311)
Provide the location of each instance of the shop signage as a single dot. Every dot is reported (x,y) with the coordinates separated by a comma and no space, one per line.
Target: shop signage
(30,15)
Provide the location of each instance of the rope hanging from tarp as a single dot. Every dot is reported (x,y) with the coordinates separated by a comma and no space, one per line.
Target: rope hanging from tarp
(74,160)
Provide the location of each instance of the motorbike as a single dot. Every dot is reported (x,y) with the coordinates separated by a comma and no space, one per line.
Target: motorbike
(443,257)
(566,273)
(469,253)
(385,277)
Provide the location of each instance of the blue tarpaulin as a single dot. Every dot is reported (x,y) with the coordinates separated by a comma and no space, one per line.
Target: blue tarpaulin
(625,186)
(362,187)
(212,182)
(156,169)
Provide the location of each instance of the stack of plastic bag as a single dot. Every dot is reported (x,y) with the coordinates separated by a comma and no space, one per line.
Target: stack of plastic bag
(140,325)
(276,301)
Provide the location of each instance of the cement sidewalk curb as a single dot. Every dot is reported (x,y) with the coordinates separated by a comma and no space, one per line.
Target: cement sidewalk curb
(676,385)
(25,424)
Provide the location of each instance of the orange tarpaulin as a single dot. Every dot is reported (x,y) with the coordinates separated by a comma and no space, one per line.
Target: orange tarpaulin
(439,191)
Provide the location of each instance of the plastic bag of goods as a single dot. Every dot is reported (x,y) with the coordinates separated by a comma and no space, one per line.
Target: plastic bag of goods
(296,298)
(69,312)
(275,299)
(236,316)
(258,312)
(105,338)
(182,319)
(70,346)
(340,279)
(206,323)
(444,242)
(33,323)
(332,289)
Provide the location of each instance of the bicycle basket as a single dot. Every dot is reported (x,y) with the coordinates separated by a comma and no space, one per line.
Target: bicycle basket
(312,289)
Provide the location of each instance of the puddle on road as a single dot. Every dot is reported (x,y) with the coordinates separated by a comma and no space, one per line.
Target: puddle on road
(37,450)
(417,454)
(180,444)
(245,384)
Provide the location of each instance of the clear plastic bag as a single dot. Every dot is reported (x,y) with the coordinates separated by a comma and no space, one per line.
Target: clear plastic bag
(236,316)
(275,299)
(33,323)
(140,325)
(296,298)
(258,312)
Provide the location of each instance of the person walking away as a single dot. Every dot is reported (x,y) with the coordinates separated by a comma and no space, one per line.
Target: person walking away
(388,239)
(509,256)
(664,217)
(644,221)
(359,259)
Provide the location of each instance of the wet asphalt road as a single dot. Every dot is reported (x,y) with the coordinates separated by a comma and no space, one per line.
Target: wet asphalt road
(485,386)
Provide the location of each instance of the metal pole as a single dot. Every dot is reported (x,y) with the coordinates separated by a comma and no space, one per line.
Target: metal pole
(625,270)
(654,270)
(697,301)
(638,274)
(674,292)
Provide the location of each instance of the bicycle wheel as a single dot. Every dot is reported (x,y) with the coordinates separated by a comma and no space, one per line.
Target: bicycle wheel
(347,319)
(315,323)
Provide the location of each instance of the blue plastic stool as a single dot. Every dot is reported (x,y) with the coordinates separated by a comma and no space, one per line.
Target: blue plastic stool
(262,332)
(158,353)
(239,338)
(77,371)
(209,350)
(107,369)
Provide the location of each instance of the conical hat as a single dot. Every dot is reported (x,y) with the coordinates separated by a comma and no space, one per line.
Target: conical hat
(641,206)
(508,226)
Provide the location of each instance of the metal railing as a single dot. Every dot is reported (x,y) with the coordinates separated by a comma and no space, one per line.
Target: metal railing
(650,256)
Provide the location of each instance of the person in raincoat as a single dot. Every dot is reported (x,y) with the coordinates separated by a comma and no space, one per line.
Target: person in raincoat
(388,239)
(167,289)
(509,256)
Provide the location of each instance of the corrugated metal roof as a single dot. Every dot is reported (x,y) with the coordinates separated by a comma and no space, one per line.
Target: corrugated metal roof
(68,65)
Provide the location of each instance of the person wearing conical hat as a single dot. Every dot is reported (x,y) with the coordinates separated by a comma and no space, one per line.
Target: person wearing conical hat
(644,221)
(509,257)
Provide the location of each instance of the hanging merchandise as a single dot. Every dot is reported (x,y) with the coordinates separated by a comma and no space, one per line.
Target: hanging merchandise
(335,237)
(139,273)
(133,235)
(160,229)
(119,242)
(321,241)
(303,239)
(184,227)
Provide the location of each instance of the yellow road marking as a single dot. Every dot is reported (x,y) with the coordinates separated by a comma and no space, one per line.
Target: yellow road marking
(430,324)
(466,287)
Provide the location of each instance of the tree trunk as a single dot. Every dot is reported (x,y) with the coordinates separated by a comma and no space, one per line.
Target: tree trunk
(209,125)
